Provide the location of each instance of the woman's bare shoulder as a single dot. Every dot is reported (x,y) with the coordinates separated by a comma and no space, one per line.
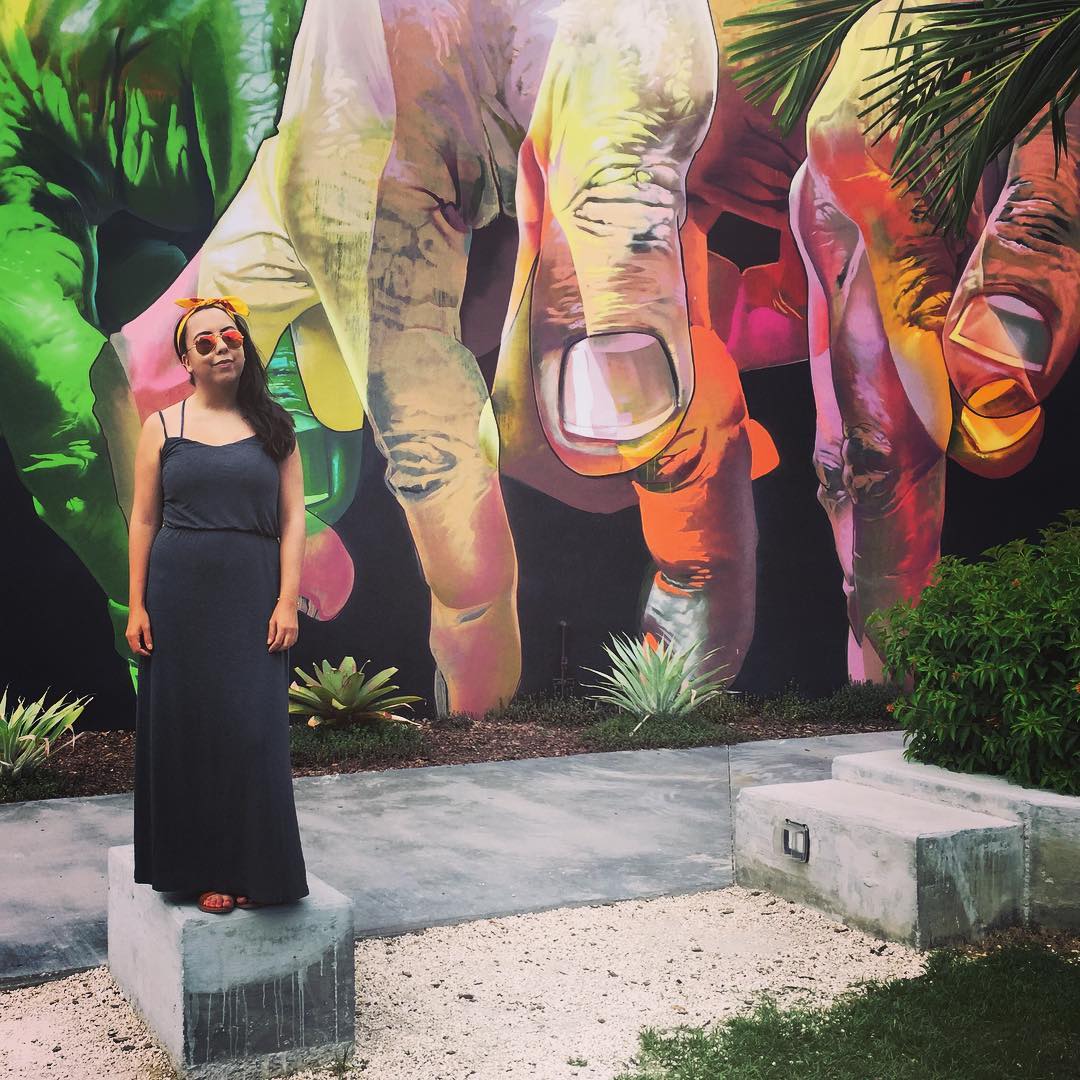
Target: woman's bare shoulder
(152,431)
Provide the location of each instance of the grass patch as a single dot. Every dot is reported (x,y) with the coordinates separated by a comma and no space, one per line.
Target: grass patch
(1013,1014)
(366,744)
(547,709)
(711,724)
(34,785)
(703,727)
(852,704)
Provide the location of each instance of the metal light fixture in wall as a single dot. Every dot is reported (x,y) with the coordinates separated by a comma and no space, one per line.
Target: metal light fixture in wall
(796,839)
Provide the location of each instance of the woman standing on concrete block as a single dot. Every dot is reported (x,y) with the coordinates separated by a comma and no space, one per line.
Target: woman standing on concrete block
(216,542)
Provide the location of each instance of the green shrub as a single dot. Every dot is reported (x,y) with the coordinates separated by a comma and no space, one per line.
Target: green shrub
(992,655)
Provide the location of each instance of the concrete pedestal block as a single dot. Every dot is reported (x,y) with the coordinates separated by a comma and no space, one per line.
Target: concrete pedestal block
(257,993)
(899,867)
(1051,823)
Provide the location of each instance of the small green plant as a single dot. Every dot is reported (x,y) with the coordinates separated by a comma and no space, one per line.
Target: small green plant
(365,744)
(991,653)
(27,734)
(547,709)
(651,678)
(343,695)
(853,705)
(702,727)
(31,787)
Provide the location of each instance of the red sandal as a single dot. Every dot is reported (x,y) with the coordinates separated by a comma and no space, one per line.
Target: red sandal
(222,909)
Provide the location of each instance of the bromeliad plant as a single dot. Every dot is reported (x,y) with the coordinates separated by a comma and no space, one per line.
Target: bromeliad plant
(342,695)
(28,733)
(992,655)
(651,678)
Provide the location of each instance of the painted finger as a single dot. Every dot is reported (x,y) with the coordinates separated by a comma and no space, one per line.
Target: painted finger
(1014,323)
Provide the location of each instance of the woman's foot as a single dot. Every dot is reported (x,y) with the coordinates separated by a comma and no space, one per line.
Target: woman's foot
(246,902)
(215,903)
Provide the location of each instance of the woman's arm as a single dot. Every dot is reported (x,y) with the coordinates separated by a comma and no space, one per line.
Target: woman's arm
(144,526)
(284,625)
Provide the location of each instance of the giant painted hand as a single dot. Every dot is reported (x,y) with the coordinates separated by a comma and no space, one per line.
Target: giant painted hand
(896,310)
(393,147)
(151,110)
(613,384)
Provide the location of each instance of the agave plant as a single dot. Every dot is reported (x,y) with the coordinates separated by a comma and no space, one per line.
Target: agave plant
(958,87)
(651,678)
(27,735)
(341,695)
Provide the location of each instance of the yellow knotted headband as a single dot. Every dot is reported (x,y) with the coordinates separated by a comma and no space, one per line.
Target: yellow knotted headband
(197,303)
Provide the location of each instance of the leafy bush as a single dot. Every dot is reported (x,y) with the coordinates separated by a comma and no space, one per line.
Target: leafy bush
(992,655)
(27,735)
(653,678)
(342,695)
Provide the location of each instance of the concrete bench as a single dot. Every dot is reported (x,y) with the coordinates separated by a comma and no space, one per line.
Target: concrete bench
(1051,823)
(257,993)
(903,868)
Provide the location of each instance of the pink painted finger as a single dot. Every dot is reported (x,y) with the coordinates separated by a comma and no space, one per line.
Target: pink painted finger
(327,576)
(1014,323)
(144,346)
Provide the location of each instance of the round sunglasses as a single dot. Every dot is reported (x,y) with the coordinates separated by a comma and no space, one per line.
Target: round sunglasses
(207,342)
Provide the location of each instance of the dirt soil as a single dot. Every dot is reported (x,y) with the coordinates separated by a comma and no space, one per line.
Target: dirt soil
(103,762)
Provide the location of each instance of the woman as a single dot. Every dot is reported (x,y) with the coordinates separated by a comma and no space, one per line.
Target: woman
(215,545)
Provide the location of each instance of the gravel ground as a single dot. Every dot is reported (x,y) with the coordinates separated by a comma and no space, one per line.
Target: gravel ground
(548,996)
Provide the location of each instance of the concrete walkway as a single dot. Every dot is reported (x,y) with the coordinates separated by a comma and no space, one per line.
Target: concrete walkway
(423,847)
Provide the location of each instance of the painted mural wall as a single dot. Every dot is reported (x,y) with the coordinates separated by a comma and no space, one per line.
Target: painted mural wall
(531,276)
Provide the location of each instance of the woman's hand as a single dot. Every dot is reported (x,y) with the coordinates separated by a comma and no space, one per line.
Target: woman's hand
(138,632)
(284,627)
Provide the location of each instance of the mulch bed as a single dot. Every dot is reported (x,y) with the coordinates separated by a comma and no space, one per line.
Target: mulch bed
(103,762)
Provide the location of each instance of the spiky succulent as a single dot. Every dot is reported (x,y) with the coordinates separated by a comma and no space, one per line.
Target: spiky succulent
(27,735)
(651,678)
(342,695)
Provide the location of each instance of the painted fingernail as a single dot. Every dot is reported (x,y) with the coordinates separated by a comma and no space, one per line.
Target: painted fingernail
(1004,329)
(616,386)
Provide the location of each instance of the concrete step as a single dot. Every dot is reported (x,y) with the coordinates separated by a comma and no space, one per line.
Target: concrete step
(1051,823)
(241,996)
(897,866)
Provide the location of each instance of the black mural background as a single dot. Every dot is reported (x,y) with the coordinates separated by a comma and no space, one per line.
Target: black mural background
(584,569)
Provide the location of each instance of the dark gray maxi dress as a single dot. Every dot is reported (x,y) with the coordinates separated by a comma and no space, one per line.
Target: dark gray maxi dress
(213,785)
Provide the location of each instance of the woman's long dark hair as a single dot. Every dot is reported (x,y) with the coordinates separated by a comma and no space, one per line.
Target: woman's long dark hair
(273,425)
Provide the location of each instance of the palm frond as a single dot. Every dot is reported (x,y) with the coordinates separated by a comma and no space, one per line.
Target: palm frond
(957,85)
(977,75)
(792,51)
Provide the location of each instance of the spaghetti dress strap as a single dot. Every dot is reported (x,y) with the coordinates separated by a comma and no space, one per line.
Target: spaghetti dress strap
(161,417)
(182,404)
